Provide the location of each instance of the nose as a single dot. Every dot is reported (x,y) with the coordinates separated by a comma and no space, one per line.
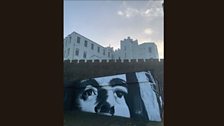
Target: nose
(104,108)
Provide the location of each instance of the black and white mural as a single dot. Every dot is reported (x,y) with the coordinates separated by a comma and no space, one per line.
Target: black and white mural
(131,95)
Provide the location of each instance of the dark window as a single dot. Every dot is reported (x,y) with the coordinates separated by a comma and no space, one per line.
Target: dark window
(65,53)
(150,49)
(86,43)
(108,54)
(78,39)
(84,55)
(124,48)
(68,52)
(98,49)
(66,43)
(104,52)
(124,55)
(92,46)
(77,52)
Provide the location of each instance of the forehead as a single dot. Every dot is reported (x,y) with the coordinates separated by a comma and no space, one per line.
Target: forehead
(104,81)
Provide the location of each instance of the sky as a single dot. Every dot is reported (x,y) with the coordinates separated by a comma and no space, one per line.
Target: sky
(107,22)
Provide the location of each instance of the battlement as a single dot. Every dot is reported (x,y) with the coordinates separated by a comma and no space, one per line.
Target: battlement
(115,61)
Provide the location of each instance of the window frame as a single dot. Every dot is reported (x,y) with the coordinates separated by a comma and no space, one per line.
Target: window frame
(78,39)
(77,51)
(85,43)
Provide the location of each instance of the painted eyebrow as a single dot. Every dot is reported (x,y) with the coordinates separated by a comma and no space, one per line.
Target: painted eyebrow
(118,82)
(91,82)
(121,88)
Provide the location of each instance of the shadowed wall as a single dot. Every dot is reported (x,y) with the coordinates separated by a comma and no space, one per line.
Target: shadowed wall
(79,70)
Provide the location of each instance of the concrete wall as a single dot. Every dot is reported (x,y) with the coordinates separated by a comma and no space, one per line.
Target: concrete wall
(78,70)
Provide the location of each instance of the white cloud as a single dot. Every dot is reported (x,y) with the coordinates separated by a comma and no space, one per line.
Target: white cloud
(128,12)
(150,10)
(153,12)
(147,11)
(148,31)
(131,12)
(120,13)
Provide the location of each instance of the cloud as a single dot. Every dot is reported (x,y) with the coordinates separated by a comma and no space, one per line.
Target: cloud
(120,13)
(131,12)
(128,12)
(150,10)
(148,31)
(147,11)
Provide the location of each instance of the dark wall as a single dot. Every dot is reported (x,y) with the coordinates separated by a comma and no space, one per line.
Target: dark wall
(83,70)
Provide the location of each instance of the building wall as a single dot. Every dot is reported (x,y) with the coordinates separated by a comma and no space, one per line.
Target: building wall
(131,50)
(78,70)
(79,47)
(147,51)
(128,47)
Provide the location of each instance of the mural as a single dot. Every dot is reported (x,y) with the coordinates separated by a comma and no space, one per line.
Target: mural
(131,95)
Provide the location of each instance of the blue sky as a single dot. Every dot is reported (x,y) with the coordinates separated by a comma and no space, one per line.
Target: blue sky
(107,22)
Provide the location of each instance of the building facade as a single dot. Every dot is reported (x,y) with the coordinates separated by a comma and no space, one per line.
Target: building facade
(77,47)
(130,49)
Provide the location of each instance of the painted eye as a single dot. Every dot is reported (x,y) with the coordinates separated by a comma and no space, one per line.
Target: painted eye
(88,93)
(119,94)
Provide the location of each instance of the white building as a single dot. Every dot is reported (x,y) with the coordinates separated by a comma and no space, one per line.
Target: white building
(79,47)
(130,49)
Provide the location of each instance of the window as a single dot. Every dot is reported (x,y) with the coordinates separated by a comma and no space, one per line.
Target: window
(84,55)
(124,48)
(70,39)
(108,54)
(104,52)
(65,53)
(150,49)
(124,55)
(92,46)
(78,39)
(86,43)
(98,49)
(68,52)
(77,52)
(66,43)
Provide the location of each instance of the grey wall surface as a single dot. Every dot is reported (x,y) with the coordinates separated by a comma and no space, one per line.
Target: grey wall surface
(131,95)
(83,70)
